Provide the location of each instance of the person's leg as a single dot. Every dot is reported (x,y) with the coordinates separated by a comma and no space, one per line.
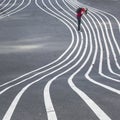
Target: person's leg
(79,22)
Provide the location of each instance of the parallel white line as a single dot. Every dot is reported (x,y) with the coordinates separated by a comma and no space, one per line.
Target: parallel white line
(18,10)
(47,98)
(6,16)
(13,105)
(19,96)
(114,18)
(77,4)
(99,112)
(1,9)
(100,84)
(1,92)
(101,50)
(8,7)
(117,21)
(48,102)
(49,106)
(111,29)
(10,11)
(89,70)
(2,2)
(107,50)
(94,107)
(109,66)
(45,65)
(100,11)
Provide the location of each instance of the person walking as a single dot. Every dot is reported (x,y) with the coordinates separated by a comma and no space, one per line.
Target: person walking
(80,12)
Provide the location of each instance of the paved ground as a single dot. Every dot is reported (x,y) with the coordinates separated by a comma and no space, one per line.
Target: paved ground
(49,70)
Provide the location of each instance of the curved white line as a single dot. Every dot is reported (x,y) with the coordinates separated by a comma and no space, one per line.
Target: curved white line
(112,33)
(107,49)
(49,105)
(45,65)
(13,105)
(10,11)
(97,10)
(108,61)
(100,114)
(1,92)
(8,7)
(89,70)
(2,2)
(101,12)
(20,9)
(101,57)
(1,9)
(48,101)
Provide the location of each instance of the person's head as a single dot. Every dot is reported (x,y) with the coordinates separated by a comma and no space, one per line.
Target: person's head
(86,10)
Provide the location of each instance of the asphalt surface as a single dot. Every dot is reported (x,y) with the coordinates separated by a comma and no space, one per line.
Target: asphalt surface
(49,70)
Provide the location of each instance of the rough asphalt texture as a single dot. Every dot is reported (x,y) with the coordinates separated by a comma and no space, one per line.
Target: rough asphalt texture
(31,39)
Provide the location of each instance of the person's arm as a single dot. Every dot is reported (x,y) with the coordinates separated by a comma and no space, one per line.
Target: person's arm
(86,11)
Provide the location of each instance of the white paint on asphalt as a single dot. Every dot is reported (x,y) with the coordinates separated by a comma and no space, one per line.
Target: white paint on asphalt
(62,65)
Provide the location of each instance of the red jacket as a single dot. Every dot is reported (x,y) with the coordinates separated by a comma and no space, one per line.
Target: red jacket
(81,12)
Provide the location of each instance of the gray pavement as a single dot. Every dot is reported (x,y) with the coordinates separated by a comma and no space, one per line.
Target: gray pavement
(49,70)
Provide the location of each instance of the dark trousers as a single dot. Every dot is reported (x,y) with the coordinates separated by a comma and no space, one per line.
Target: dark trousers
(79,22)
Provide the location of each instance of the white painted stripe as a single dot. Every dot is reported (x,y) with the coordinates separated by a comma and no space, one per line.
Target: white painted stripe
(2,2)
(13,12)
(51,114)
(101,48)
(50,102)
(47,64)
(110,88)
(13,105)
(112,33)
(4,7)
(16,7)
(110,39)
(17,98)
(93,81)
(108,53)
(8,7)
(76,3)
(100,84)
(47,98)
(94,107)
(1,92)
